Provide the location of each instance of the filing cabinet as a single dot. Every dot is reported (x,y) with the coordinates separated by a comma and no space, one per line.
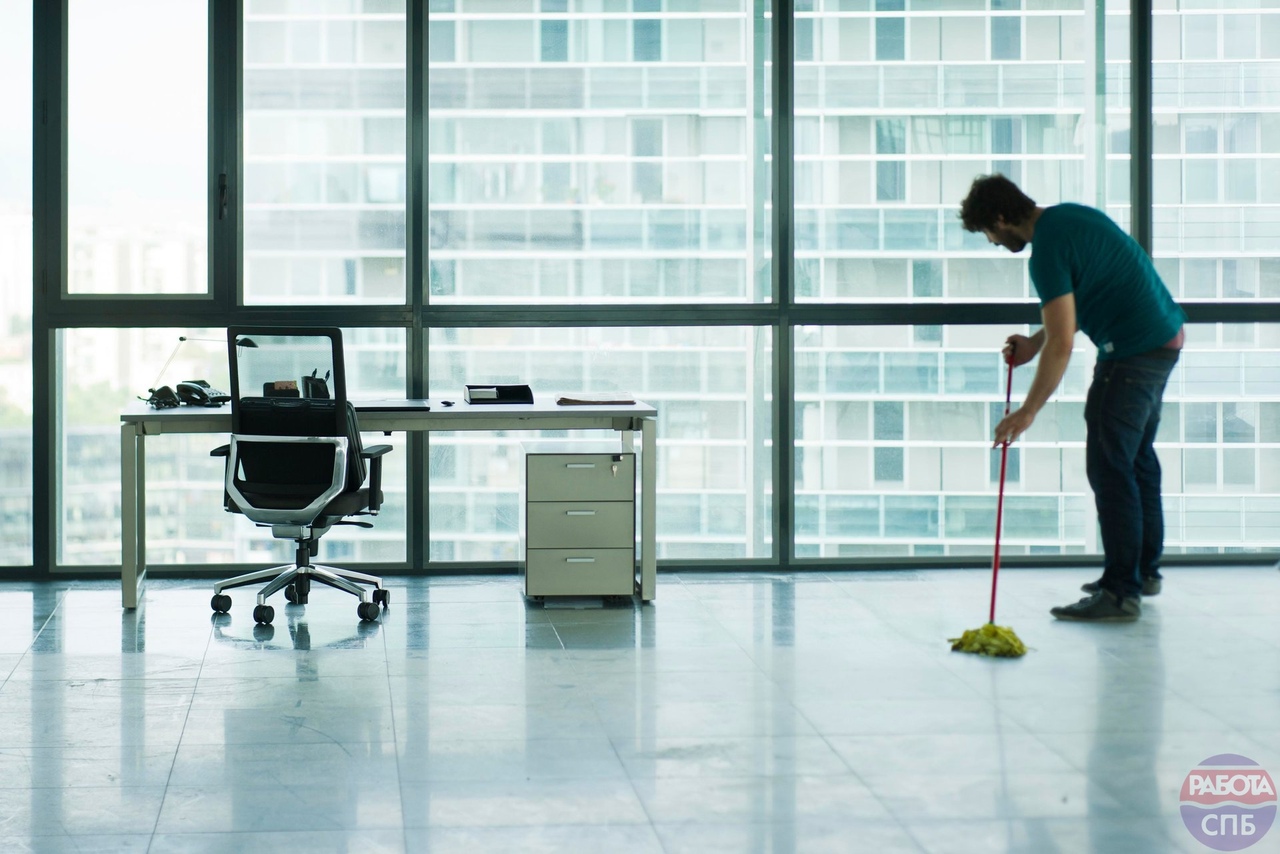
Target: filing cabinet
(580,523)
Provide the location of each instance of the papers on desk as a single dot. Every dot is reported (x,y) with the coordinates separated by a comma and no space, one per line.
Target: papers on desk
(594,400)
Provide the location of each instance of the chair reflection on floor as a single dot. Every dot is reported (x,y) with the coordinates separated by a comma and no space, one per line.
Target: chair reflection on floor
(299,630)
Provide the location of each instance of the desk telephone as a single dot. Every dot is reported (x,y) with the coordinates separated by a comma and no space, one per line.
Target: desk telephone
(190,392)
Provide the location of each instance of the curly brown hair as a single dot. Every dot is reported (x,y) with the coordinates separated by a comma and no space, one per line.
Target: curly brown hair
(991,198)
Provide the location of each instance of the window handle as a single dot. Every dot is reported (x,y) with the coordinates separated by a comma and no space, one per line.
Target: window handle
(223,193)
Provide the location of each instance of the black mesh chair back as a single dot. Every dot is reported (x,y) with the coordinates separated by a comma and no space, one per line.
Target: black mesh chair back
(292,382)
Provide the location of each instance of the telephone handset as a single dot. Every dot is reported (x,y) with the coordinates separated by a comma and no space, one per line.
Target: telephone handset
(200,393)
(161,398)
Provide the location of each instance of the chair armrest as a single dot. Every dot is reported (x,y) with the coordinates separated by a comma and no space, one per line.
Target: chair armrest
(374,454)
(224,451)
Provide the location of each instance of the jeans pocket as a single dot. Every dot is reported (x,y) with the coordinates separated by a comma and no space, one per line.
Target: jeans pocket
(1134,401)
(1123,396)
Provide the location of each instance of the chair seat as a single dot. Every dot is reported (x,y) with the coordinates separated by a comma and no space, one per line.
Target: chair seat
(346,504)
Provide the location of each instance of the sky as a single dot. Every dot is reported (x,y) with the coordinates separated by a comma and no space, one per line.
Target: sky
(137,106)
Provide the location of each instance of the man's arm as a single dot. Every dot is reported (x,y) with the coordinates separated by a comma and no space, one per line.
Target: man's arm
(1055,339)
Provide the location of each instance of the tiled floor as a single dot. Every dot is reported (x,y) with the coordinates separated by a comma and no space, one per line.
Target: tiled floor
(755,713)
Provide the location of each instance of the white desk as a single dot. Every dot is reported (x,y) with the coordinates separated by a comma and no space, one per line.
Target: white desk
(141,421)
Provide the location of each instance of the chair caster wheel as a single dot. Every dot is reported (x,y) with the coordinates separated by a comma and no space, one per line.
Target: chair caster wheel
(382,597)
(296,593)
(263,613)
(220,602)
(368,611)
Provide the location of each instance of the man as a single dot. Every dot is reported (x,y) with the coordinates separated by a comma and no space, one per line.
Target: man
(1092,276)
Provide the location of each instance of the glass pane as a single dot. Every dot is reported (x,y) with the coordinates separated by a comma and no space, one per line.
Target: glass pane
(883,159)
(616,158)
(1217,204)
(709,386)
(897,421)
(893,445)
(1216,222)
(15,284)
(324,154)
(106,370)
(137,165)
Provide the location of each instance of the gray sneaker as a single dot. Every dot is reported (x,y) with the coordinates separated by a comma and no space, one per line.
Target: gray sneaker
(1102,607)
(1150,586)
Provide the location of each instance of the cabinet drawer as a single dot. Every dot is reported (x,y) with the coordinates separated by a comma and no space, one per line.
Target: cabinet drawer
(581,525)
(580,477)
(580,572)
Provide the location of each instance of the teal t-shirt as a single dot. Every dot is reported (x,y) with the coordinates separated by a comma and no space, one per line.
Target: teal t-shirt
(1121,302)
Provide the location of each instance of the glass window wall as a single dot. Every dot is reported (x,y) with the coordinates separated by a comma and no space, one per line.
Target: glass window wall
(15,285)
(582,154)
(893,449)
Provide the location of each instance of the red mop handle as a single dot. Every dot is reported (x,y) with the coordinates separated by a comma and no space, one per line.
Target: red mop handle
(1004,461)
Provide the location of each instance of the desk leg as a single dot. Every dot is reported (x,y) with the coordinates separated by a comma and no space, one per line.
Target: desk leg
(648,510)
(132,514)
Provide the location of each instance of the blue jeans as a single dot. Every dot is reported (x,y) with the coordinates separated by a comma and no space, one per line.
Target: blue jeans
(1122,414)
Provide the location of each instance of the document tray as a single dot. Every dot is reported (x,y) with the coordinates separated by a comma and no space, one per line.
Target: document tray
(499,394)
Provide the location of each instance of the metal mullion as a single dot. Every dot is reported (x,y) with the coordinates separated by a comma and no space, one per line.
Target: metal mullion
(729,314)
(763,385)
(160,313)
(783,269)
(49,267)
(1140,108)
(417,272)
(226,135)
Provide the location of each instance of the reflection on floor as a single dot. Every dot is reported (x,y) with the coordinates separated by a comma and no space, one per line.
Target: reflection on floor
(764,712)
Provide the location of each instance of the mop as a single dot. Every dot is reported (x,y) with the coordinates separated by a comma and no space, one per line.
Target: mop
(992,639)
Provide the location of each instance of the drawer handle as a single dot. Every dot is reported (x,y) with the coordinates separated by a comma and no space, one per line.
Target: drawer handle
(579,512)
(579,560)
(579,465)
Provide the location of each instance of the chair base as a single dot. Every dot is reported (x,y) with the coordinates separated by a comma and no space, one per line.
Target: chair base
(298,578)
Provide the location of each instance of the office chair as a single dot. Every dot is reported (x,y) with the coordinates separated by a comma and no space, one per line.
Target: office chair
(295,463)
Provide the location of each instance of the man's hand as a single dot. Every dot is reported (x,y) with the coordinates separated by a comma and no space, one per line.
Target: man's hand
(1012,426)
(1052,343)
(1019,349)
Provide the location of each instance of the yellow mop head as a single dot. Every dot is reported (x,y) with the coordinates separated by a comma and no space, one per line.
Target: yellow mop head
(990,640)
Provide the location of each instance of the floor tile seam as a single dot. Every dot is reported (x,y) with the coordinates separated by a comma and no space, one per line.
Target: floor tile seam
(395,740)
(635,791)
(35,636)
(186,720)
(744,649)
(872,790)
